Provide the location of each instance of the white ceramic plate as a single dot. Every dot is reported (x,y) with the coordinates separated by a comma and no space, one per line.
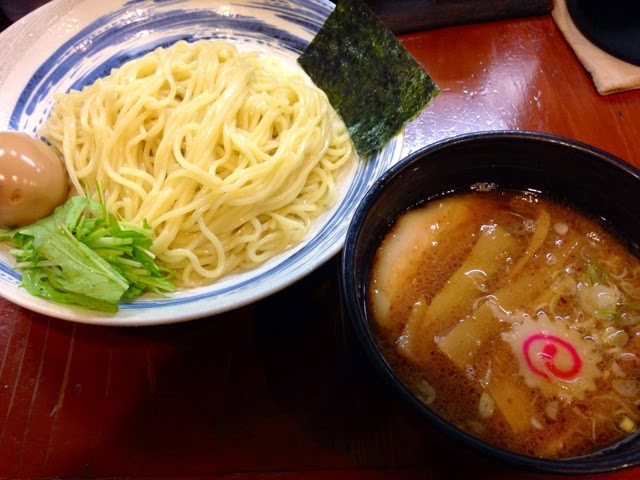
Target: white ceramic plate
(69,43)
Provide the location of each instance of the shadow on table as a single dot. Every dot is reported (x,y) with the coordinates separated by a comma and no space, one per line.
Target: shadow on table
(277,386)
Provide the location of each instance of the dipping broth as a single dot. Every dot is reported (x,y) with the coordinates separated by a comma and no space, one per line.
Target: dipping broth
(514,317)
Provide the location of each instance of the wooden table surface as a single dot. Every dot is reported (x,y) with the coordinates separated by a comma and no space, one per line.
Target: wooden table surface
(277,389)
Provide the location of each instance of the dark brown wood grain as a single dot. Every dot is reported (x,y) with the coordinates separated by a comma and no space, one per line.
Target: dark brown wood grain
(278,389)
(403,16)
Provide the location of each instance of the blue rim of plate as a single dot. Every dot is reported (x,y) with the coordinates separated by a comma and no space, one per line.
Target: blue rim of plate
(106,37)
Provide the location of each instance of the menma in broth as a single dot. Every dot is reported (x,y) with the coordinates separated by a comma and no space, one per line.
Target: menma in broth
(514,317)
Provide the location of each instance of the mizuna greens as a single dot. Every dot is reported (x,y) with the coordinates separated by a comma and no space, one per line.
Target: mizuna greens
(82,255)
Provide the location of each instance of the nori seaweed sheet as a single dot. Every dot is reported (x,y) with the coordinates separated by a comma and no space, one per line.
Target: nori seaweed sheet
(370,78)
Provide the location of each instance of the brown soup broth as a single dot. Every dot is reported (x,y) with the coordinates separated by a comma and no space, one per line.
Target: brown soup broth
(515,317)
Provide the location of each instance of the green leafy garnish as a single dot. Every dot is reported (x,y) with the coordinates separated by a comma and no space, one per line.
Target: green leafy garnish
(596,273)
(82,255)
(370,78)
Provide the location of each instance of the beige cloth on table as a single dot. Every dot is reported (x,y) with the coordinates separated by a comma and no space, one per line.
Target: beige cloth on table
(609,73)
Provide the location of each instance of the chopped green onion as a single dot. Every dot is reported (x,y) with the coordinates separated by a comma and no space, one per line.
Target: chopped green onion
(486,405)
(627,425)
(596,273)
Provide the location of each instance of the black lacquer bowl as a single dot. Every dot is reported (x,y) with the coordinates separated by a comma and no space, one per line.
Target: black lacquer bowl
(589,179)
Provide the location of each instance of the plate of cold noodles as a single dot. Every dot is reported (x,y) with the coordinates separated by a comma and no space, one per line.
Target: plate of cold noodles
(192,120)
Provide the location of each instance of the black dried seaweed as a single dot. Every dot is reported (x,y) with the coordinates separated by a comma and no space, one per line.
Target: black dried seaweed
(370,78)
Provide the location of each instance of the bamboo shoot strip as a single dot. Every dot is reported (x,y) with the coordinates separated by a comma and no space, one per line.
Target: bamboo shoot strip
(486,259)
(512,397)
(537,240)
(461,343)
(418,312)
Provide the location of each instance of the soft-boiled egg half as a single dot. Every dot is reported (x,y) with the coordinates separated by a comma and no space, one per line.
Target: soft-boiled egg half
(33,179)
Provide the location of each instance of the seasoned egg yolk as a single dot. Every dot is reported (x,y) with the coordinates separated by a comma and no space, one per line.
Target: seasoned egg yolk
(33,180)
